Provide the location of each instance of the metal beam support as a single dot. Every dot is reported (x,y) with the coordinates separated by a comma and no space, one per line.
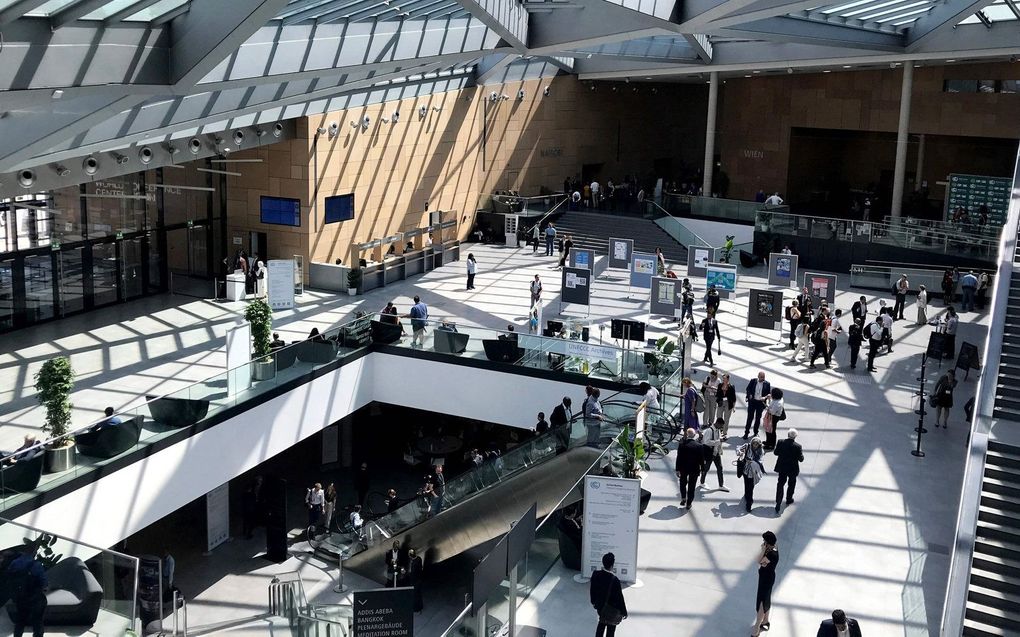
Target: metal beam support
(698,13)
(900,168)
(701,45)
(70,13)
(942,18)
(786,30)
(129,11)
(713,103)
(761,10)
(508,18)
(492,67)
(18,9)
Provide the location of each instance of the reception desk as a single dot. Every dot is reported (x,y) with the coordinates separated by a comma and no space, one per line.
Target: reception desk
(235,287)
(328,276)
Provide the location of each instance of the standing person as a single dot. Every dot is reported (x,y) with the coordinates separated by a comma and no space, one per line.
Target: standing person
(541,426)
(592,410)
(712,301)
(708,392)
(859,310)
(535,234)
(649,399)
(711,441)
(835,332)
(660,262)
(533,324)
(839,626)
(26,583)
(688,334)
(686,300)
(949,325)
(820,338)
(789,456)
(536,291)
(803,333)
(550,238)
(887,326)
(568,243)
(439,488)
(969,283)
(329,499)
(690,456)
(768,558)
(955,273)
(559,420)
(774,200)
(984,281)
(389,314)
(922,305)
(726,400)
(873,332)
(710,332)
(807,303)
(947,287)
(419,315)
(472,267)
(855,336)
(793,315)
(606,596)
(362,482)
(943,398)
(690,404)
(757,391)
(775,413)
(749,467)
(415,570)
(902,287)
(314,500)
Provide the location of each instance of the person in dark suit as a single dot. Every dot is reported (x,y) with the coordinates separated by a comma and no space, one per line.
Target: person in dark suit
(559,420)
(710,332)
(25,578)
(839,625)
(757,391)
(790,455)
(606,596)
(415,570)
(690,456)
(859,310)
(396,564)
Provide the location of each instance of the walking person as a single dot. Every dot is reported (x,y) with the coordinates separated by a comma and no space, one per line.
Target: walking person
(711,441)
(592,410)
(606,596)
(750,456)
(533,321)
(660,262)
(947,287)
(550,238)
(691,402)
(793,315)
(535,234)
(835,332)
(690,456)
(712,300)
(708,392)
(820,338)
(756,393)
(710,332)
(859,310)
(559,421)
(902,287)
(922,305)
(942,397)
(775,413)
(803,333)
(887,326)
(472,267)
(839,626)
(419,315)
(536,291)
(855,337)
(25,581)
(686,301)
(314,501)
(969,283)
(984,281)
(329,499)
(726,400)
(789,455)
(768,558)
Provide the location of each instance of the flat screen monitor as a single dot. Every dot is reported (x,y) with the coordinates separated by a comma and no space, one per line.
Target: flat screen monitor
(555,326)
(280,211)
(339,208)
(549,333)
(622,328)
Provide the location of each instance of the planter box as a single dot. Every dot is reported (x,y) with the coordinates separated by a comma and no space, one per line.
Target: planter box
(58,460)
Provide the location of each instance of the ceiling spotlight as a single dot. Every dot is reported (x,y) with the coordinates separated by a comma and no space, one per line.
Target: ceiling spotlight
(747,76)
(90,165)
(354,124)
(320,131)
(615,89)
(218,140)
(277,129)
(145,154)
(195,145)
(592,87)
(62,170)
(655,91)
(384,120)
(365,121)
(57,94)
(238,137)
(396,117)
(827,71)
(26,178)
(847,66)
(334,129)
(756,72)
(950,61)
(424,110)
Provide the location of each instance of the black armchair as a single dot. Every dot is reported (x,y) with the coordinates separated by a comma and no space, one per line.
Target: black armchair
(23,475)
(177,412)
(111,440)
(75,595)
(449,342)
(385,333)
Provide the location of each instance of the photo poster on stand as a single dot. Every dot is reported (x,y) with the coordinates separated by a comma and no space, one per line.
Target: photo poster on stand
(782,269)
(822,287)
(238,357)
(217,516)
(611,507)
(765,309)
(698,257)
(576,286)
(281,283)
(665,297)
(621,252)
(642,270)
(723,276)
(582,258)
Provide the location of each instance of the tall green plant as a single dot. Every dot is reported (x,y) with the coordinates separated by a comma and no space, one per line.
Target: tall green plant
(54,383)
(635,453)
(260,316)
(354,278)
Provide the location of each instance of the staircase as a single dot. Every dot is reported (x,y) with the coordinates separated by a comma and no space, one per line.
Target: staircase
(993,599)
(593,230)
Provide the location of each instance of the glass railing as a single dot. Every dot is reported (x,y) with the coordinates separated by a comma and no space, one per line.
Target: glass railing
(734,210)
(877,277)
(325,620)
(680,233)
(89,590)
(525,206)
(901,235)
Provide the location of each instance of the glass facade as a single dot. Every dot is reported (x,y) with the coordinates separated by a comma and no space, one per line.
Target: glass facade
(74,249)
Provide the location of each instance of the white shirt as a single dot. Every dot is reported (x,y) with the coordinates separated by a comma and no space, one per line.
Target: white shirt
(315,497)
(356,520)
(787,251)
(903,285)
(922,298)
(887,321)
(471,266)
(774,200)
(835,329)
(758,387)
(651,398)
(594,187)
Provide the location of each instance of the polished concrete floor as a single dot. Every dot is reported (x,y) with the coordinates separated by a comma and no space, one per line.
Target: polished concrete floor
(870,531)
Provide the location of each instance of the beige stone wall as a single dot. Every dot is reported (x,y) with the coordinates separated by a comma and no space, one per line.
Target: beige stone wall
(757,114)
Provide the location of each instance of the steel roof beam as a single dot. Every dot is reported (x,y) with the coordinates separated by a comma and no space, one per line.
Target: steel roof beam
(72,12)
(943,18)
(129,11)
(508,18)
(796,30)
(18,9)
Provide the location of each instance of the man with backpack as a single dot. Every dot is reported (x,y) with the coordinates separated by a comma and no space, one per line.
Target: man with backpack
(26,583)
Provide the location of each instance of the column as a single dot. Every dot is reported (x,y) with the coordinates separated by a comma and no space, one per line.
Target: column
(901,140)
(713,100)
(920,162)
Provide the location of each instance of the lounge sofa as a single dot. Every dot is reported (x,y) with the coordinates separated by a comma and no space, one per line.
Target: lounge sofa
(316,351)
(177,412)
(385,333)
(111,440)
(449,342)
(285,357)
(24,475)
(75,595)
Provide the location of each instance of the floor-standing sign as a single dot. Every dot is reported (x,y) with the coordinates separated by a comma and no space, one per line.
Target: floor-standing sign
(611,507)
(281,283)
(723,277)
(576,288)
(510,229)
(238,357)
(582,258)
(217,516)
(642,270)
(665,297)
(384,612)
(698,258)
(782,269)
(821,286)
(764,310)
(621,251)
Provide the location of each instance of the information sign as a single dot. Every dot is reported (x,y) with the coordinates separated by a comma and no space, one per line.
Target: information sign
(782,269)
(665,297)
(611,507)
(384,612)
(217,516)
(281,283)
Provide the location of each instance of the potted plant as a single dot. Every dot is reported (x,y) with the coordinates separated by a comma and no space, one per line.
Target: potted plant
(636,451)
(659,362)
(260,316)
(54,382)
(353,281)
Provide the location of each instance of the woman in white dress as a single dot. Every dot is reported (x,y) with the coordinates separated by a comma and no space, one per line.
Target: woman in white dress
(922,305)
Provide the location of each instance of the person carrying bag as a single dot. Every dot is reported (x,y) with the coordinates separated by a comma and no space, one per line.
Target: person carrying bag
(606,597)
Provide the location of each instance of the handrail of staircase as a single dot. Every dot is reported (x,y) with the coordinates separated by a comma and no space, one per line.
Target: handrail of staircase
(954,608)
(546,215)
(669,214)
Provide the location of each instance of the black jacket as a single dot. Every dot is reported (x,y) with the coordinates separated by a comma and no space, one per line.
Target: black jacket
(606,589)
(709,329)
(765,391)
(558,417)
(730,395)
(828,629)
(690,454)
(790,456)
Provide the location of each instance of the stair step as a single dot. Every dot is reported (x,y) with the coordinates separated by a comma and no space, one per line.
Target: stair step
(991,616)
(1005,504)
(998,445)
(999,487)
(1005,601)
(994,564)
(995,581)
(1003,458)
(1007,537)
(1003,474)
(973,628)
(1003,520)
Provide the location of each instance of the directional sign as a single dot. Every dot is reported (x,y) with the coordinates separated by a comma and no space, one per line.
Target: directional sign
(384,612)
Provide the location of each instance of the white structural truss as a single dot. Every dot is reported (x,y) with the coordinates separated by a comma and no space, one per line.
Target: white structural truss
(91,76)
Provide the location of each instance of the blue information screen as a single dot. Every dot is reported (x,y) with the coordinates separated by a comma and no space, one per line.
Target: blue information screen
(339,208)
(280,211)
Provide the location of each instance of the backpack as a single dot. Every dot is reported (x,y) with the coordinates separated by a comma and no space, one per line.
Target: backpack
(869,331)
(788,311)
(699,402)
(895,288)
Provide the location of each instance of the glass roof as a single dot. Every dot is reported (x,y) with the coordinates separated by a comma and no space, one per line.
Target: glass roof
(998,11)
(335,10)
(50,7)
(877,14)
(147,14)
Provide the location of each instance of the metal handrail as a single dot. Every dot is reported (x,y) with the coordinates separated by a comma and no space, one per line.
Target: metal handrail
(546,215)
(954,607)
(180,608)
(669,214)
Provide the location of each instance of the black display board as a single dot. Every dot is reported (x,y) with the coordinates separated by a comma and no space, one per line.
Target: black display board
(765,309)
(665,297)
(576,286)
(488,575)
(274,497)
(384,612)
(968,358)
(520,537)
(936,345)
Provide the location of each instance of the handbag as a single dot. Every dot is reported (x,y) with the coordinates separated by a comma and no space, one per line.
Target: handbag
(741,464)
(782,415)
(608,614)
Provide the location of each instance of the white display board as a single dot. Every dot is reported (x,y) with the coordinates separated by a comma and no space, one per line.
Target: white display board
(281,283)
(217,516)
(238,357)
(611,508)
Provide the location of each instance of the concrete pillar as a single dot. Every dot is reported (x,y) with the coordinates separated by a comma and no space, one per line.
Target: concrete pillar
(920,162)
(713,100)
(899,172)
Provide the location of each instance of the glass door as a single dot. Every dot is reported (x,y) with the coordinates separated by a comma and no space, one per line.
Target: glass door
(6,294)
(39,301)
(71,281)
(131,268)
(105,279)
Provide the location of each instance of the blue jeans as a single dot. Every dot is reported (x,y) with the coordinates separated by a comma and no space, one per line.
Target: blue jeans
(968,299)
(548,246)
